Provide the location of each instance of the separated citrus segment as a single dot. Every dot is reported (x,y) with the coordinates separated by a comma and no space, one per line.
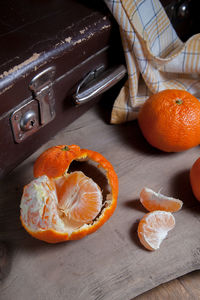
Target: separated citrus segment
(157,201)
(69,206)
(154,227)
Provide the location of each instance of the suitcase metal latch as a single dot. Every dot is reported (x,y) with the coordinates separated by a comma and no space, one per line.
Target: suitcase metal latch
(41,85)
(36,113)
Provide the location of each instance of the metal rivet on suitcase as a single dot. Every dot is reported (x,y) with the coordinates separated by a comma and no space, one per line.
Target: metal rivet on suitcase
(28,121)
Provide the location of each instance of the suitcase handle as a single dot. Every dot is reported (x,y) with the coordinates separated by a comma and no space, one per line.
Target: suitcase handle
(99,85)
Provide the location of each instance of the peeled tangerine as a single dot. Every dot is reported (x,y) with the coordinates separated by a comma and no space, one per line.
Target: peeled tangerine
(59,206)
(154,227)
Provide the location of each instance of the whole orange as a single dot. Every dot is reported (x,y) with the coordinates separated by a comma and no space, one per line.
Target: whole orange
(170,120)
(195,178)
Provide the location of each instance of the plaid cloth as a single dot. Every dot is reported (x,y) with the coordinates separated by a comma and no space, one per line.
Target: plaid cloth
(156,58)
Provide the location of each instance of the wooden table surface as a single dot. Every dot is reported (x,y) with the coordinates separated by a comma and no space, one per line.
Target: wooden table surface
(184,287)
(110,263)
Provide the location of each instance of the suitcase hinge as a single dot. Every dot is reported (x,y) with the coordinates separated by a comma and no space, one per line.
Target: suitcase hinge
(36,113)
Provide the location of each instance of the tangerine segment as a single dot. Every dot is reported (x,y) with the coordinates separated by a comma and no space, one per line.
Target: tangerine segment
(154,227)
(38,206)
(79,197)
(156,201)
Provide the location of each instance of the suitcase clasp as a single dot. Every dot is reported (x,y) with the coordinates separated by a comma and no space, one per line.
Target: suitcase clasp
(37,112)
(41,86)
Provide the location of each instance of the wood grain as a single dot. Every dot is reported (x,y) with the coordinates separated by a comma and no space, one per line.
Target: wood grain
(185,287)
(111,263)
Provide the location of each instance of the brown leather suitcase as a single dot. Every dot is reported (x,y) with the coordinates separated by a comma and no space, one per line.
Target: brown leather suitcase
(56,57)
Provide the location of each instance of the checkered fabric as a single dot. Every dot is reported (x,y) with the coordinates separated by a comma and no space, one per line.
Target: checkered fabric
(156,58)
